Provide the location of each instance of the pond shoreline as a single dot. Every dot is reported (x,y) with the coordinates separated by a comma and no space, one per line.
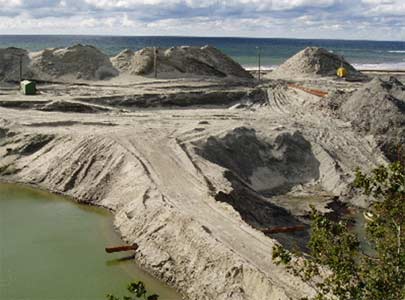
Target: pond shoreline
(77,201)
(56,192)
(80,236)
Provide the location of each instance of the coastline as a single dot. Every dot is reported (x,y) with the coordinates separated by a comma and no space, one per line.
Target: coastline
(267,70)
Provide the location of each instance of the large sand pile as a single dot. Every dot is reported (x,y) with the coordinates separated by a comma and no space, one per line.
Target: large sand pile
(88,63)
(314,61)
(76,62)
(378,108)
(179,61)
(10,64)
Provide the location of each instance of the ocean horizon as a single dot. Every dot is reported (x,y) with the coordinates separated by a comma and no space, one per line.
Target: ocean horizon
(363,54)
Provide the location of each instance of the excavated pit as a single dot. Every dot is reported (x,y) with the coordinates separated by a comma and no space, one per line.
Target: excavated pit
(259,168)
(269,166)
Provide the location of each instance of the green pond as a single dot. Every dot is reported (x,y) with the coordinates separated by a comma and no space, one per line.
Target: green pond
(53,249)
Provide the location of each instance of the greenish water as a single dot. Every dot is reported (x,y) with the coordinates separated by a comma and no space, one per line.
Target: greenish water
(53,249)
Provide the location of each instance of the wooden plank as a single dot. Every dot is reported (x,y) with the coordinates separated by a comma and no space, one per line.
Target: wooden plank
(121,248)
(283,229)
(318,93)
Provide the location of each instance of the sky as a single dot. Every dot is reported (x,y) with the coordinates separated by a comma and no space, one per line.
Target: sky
(340,19)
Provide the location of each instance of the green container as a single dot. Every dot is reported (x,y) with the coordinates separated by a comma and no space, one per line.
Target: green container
(28,87)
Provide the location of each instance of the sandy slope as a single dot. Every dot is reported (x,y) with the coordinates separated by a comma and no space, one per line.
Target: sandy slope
(190,186)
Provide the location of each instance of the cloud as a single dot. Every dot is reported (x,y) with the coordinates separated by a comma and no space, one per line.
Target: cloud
(256,4)
(379,19)
(10,3)
(385,7)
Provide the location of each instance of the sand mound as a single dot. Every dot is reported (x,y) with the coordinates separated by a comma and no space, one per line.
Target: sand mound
(179,61)
(313,61)
(134,63)
(76,62)
(378,108)
(10,64)
(88,63)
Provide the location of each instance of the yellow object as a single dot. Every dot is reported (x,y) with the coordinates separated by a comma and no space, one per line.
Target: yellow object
(341,72)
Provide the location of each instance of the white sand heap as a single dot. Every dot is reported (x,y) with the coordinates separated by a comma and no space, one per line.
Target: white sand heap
(88,63)
(314,61)
(76,62)
(10,64)
(378,108)
(178,62)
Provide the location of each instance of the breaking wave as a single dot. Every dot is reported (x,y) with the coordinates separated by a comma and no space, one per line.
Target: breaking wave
(383,66)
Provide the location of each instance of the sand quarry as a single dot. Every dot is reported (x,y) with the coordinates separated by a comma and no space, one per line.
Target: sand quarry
(197,163)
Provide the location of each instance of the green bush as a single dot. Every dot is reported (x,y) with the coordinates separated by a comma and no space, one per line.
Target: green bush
(137,291)
(337,267)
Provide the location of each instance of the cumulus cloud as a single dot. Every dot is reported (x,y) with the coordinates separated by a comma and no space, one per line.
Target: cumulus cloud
(290,18)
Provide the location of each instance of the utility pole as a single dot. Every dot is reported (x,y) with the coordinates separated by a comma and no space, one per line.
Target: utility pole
(20,56)
(155,54)
(259,54)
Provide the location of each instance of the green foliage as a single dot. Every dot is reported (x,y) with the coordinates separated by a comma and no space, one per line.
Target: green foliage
(137,291)
(337,267)
(281,256)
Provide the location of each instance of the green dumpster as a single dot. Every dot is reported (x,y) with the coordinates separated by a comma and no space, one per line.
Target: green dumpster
(28,87)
